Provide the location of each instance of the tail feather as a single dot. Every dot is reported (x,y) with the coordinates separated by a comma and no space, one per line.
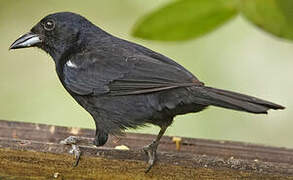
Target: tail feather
(233,100)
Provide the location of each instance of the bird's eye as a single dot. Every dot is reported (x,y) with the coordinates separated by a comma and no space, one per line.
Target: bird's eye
(49,25)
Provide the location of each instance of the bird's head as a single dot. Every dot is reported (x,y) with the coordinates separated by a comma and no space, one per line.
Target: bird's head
(55,33)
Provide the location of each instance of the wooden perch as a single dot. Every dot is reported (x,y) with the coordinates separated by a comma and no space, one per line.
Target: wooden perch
(30,150)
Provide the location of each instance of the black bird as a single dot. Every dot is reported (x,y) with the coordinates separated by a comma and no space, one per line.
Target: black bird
(122,84)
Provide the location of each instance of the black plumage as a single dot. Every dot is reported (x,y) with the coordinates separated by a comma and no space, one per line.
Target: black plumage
(122,84)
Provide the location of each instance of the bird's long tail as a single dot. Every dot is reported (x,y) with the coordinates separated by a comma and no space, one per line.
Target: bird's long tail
(232,100)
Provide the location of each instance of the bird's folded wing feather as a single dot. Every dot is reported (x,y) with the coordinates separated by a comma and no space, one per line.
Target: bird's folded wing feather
(124,75)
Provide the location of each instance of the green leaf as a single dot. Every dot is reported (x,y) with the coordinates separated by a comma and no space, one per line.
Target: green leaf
(274,16)
(185,19)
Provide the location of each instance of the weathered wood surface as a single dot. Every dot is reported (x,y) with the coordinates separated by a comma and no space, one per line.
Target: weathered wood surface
(30,150)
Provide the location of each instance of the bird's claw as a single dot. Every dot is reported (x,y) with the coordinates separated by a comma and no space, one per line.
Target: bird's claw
(151,152)
(77,153)
(73,140)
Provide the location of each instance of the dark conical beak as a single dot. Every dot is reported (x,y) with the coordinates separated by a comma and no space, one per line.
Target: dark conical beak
(27,40)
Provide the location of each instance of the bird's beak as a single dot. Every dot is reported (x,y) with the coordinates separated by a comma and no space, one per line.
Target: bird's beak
(27,40)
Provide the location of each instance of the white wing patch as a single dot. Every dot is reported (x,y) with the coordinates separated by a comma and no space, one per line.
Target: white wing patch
(71,64)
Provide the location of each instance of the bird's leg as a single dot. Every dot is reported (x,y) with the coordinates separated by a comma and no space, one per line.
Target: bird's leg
(74,141)
(151,149)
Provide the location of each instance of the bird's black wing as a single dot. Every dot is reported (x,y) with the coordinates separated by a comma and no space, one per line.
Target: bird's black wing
(117,75)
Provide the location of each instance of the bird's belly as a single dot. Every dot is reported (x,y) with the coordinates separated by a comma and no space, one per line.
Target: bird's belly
(136,110)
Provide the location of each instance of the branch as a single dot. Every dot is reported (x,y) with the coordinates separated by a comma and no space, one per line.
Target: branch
(33,150)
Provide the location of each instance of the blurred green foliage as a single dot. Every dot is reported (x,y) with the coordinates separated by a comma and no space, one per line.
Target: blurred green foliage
(236,57)
(274,16)
(186,19)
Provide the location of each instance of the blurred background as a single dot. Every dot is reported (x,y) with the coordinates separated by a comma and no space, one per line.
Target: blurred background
(237,57)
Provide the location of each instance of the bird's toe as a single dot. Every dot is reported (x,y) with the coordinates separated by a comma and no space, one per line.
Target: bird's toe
(151,152)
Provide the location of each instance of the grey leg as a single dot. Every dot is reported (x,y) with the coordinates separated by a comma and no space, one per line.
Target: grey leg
(73,141)
(151,150)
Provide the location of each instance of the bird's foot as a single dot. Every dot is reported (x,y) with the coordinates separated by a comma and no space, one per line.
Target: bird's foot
(74,141)
(77,153)
(151,152)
